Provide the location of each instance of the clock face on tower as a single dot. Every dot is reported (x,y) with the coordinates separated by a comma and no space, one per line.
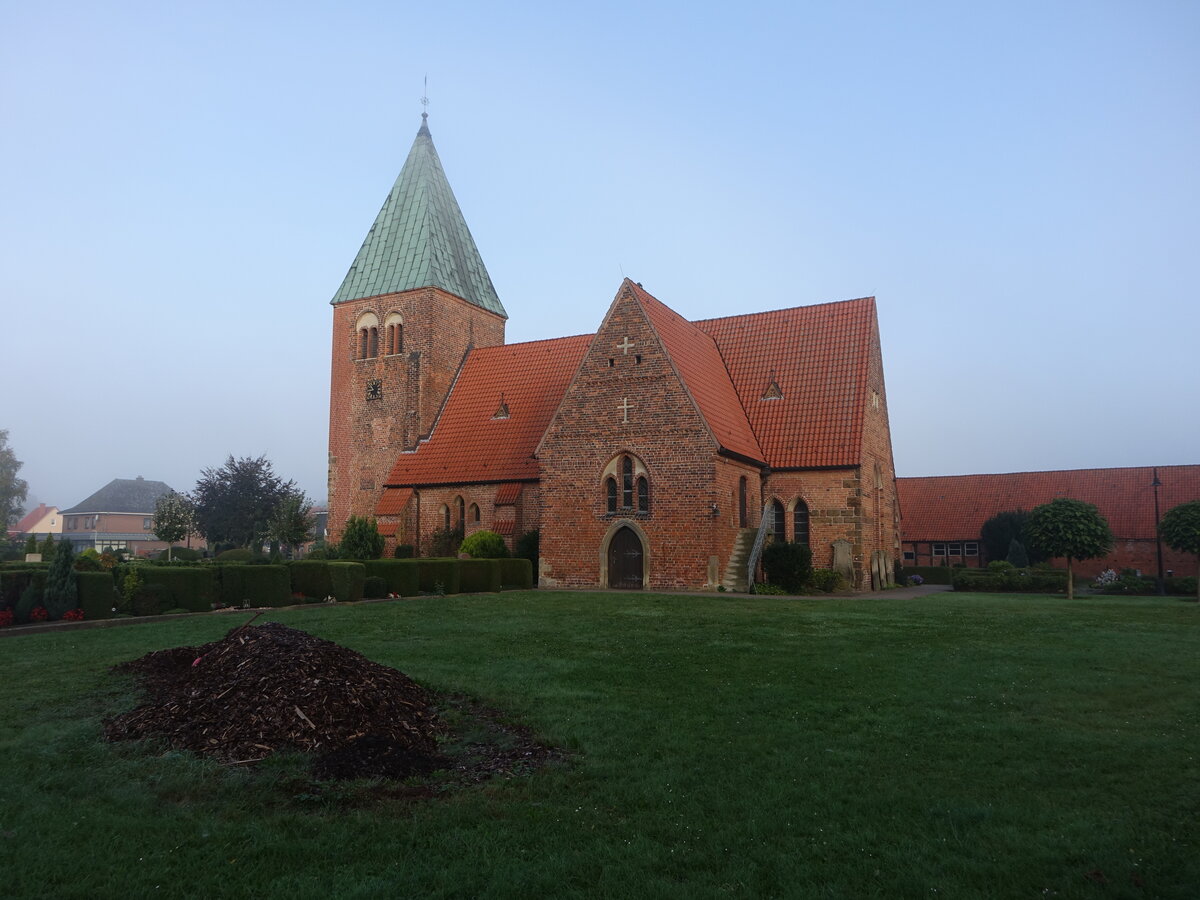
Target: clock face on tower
(375,389)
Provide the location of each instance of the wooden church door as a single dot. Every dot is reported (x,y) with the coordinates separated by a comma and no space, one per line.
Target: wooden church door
(625,560)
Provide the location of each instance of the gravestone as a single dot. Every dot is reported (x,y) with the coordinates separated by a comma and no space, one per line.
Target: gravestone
(843,562)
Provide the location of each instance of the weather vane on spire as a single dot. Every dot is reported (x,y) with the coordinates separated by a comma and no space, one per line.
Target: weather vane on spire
(425,99)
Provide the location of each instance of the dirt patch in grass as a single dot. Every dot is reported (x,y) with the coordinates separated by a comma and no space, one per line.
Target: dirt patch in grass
(269,689)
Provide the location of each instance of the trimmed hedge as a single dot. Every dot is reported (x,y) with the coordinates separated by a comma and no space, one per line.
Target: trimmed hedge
(347,578)
(184,587)
(477,576)
(97,594)
(321,578)
(934,574)
(402,576)
(13,581)
(1016,582)
(516,573)
(443,571)
(261,585)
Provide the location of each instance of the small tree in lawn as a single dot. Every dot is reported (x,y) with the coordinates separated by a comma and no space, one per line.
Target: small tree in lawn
(361,540)
(1069,528)
(1180,528)
(174,519)
(61,594)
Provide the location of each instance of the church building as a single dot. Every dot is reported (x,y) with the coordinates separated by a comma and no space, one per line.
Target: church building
(647,454)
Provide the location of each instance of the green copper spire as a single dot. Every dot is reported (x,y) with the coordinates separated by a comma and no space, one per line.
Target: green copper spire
(420,239)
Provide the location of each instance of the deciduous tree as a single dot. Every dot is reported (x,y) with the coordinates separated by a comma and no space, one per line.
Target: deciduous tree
(1069,528)
(236,503)
(292,521)
(174,518)
(13,490)
(1180,528)
(998,533)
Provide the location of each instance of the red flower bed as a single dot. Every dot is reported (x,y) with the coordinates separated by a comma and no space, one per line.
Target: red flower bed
(38,614)
(6,617)
(73,615)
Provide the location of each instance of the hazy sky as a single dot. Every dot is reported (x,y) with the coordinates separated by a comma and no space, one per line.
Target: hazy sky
(1017,183)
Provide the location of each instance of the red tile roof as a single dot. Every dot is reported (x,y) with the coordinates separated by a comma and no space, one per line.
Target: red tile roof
(393,501)
(504,527)
(819,357)
(30,519)
(954,507)
(508,494)
(698,362)
(468,443)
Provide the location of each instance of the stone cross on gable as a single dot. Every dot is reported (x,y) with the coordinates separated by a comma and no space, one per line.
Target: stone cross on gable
(625,406)
(626,345)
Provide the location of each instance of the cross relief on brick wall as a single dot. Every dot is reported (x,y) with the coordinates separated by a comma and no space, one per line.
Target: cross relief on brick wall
(625,406)
(626,345)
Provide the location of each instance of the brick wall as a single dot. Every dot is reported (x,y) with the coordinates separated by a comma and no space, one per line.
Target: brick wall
(1127,553)
(365,435)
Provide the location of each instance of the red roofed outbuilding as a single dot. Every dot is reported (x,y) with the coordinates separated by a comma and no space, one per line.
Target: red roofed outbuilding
(944,514)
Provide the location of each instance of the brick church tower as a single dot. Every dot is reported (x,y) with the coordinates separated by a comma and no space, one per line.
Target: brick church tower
(416,300)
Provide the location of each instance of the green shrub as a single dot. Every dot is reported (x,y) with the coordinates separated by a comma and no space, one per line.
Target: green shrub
(260,585)
(30,599)
(768,589)
(787,565)
(484,544)
(517,573)
(97,595)
(402,576)
(237,554)
(61,594)
(527,547)
(439,573)
(374,587)
(403,551)
(1000,565)
(347,579)
(13,581)
(361,539)
(478,576)
(826,580)
(1185,584)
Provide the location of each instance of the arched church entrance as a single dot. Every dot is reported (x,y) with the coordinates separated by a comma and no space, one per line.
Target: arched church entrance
(626,560)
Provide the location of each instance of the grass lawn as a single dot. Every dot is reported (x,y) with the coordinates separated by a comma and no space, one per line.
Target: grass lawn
(947,746)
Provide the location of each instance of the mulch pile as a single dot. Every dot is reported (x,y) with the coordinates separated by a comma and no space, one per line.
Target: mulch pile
(267,688)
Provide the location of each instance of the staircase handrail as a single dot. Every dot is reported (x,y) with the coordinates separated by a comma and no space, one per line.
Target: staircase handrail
(756,550)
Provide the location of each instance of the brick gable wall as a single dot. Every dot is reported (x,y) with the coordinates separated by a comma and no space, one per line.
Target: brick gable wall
(364,435)
(626,362)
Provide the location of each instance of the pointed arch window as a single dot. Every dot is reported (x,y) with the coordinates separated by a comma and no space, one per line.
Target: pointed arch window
(779,525)
(445,517)
(800,523)
(626,484)
(459,511)
(742,502)
(474,512)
